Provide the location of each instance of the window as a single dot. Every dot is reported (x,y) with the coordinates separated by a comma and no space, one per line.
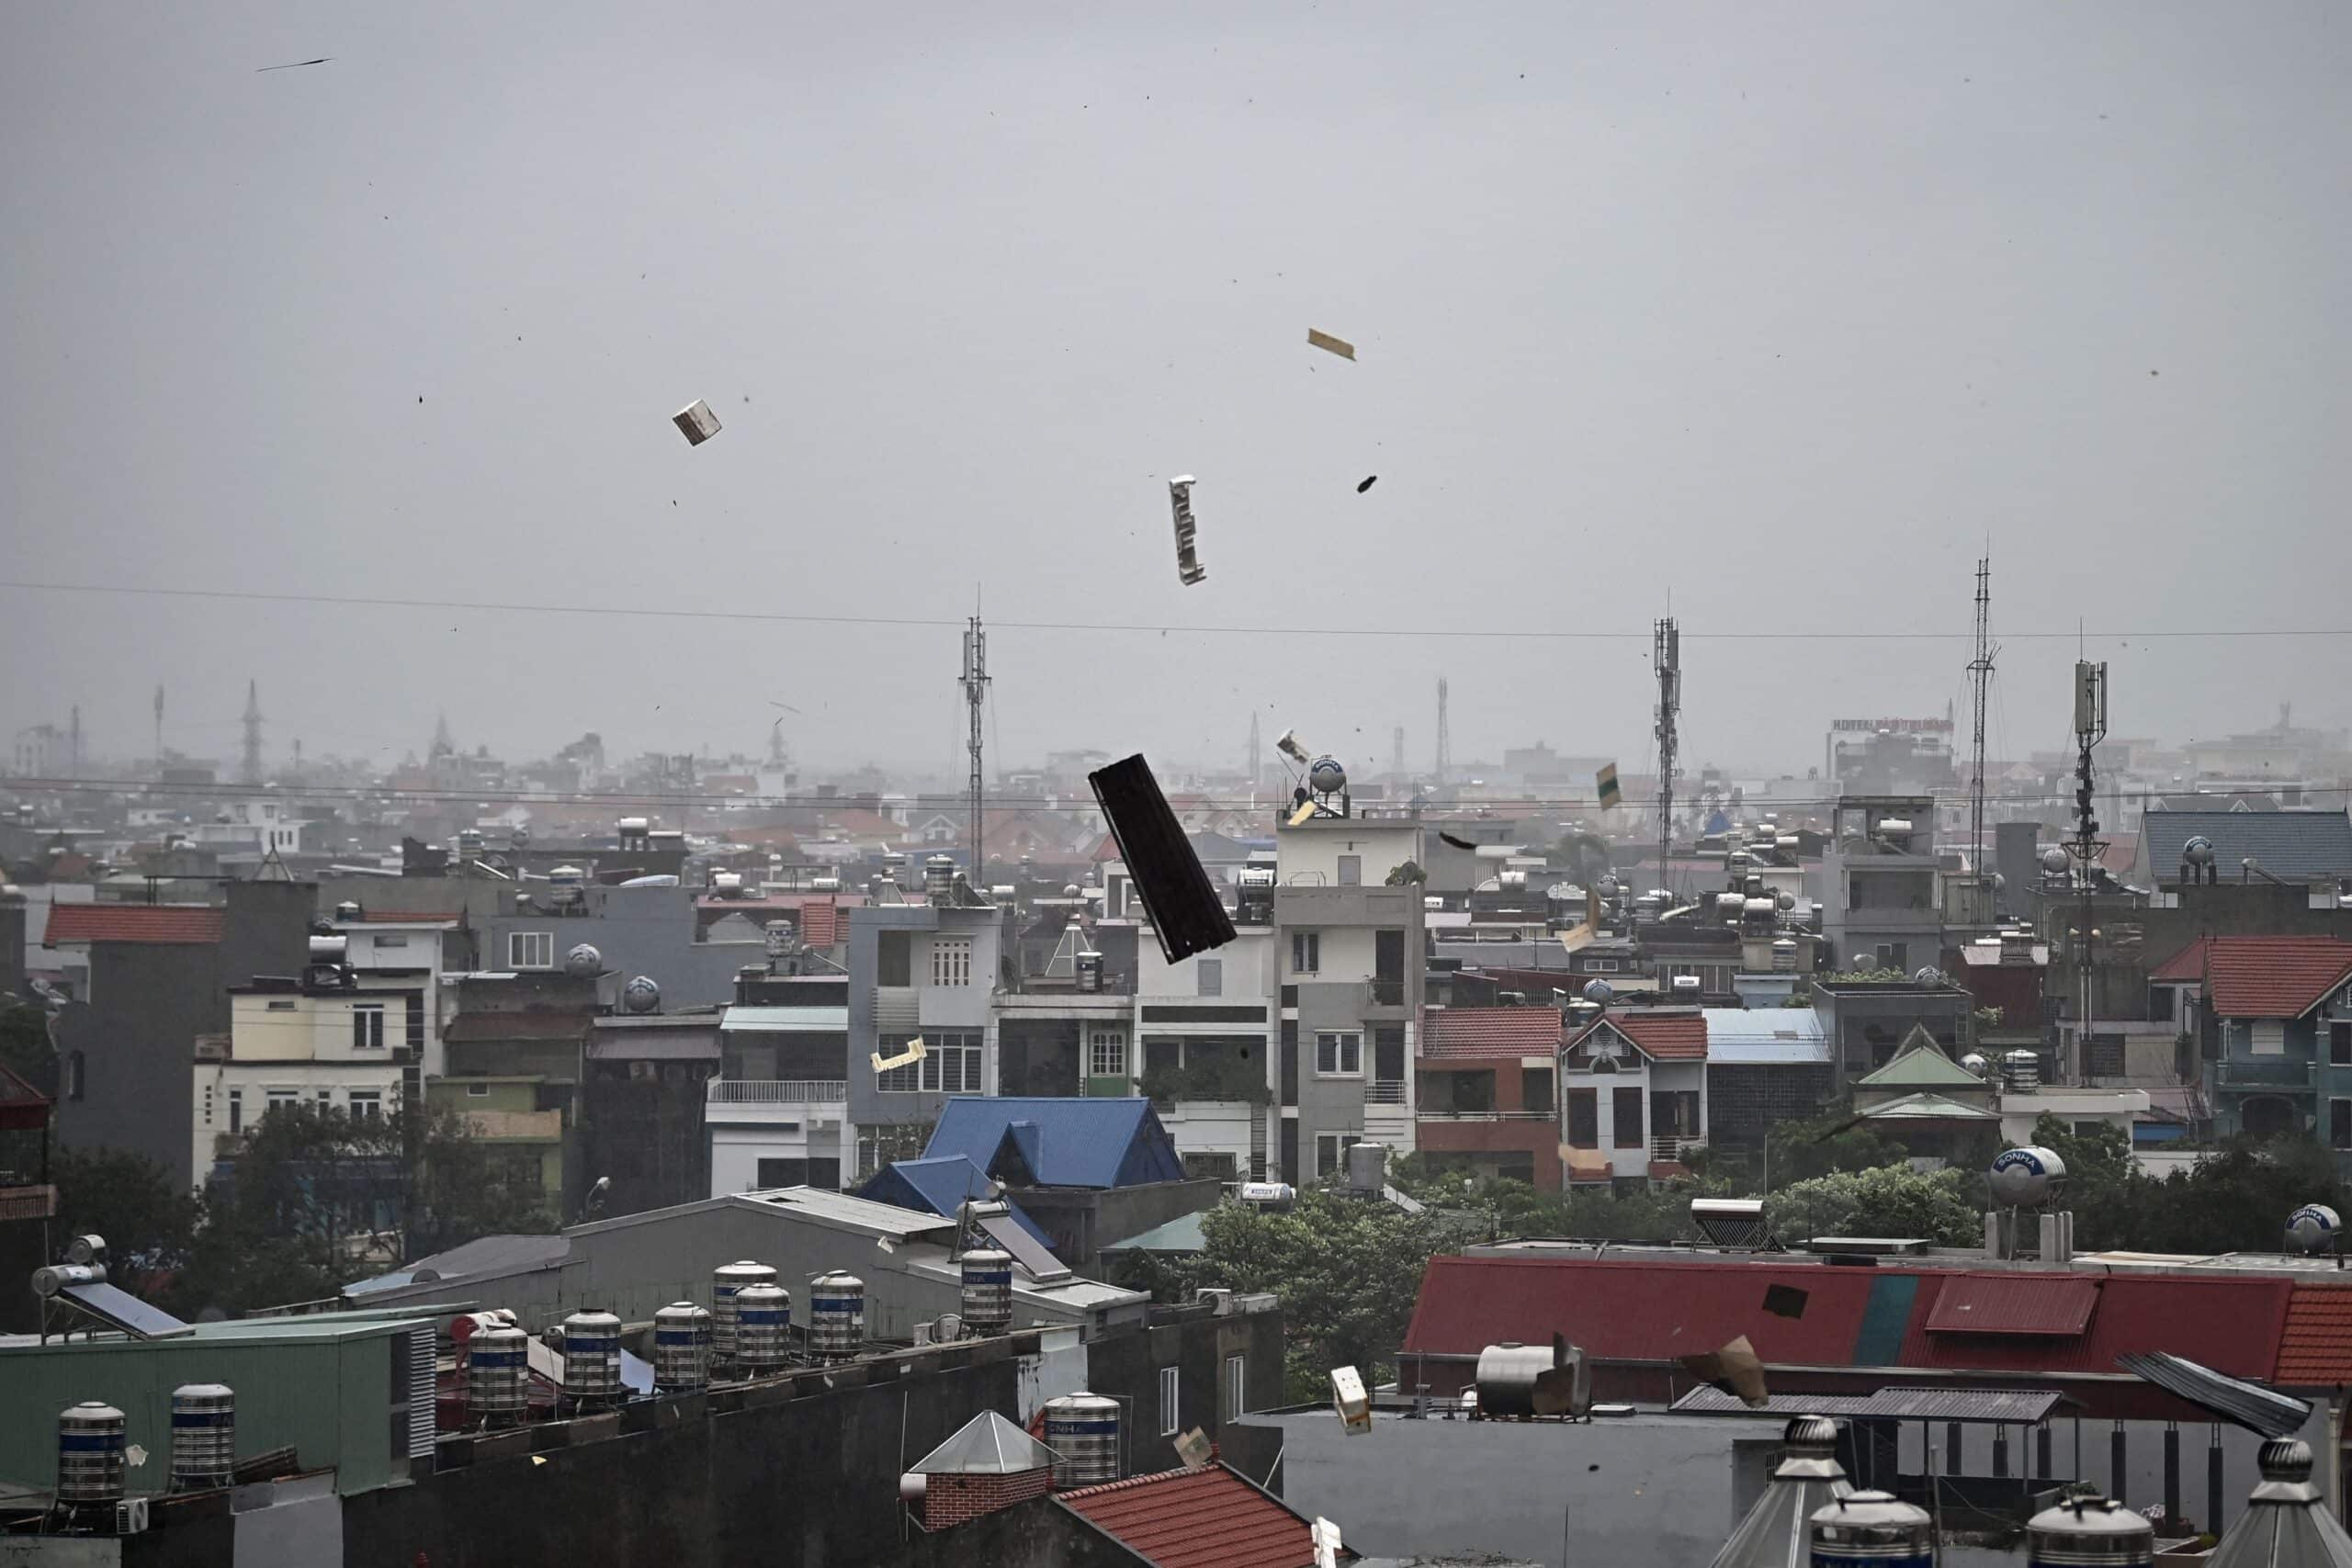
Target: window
(236,1110)
(2339,1043)
(367,1104)
(1306,951)
(1331,1151)
(951,961)
(391,939)
(530,950)
(1600,967)
(898,1080)
(477,1092)
(1584,1119)
(952,1063)
(281,1100)
(1234,1400)
(1106,1054)
(1352,871)
(1339,1053)
(326,1097)
(368,1028)
(1626,1130)
(893,958)
(1168,1421)
(2269,1037)
(783,1173)
(1210,973)
(2339,1123)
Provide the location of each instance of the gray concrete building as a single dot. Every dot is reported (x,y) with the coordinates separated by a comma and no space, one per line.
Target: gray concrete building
(1881,904)
(927,969)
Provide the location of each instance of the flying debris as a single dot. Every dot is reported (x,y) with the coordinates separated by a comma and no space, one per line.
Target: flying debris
(1188,560)
(1736,1369)
(1369,481)
(298,64)
(1451,842)
(699,422)
(1186,914)
(1606,780)
(914,1053)
(1195,1449)
(1330,344)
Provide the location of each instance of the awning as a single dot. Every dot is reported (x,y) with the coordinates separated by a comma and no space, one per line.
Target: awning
(2023,1304)
(1968,1405)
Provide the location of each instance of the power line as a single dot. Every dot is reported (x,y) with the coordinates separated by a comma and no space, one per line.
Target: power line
(1094,628)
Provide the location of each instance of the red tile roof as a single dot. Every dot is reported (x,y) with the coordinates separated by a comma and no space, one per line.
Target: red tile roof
(2273,976)
(1490,1032)
(1196,1518)
(2316,1348)
(1664,1035)
(195,924)
(2189,964)
(2013,1304)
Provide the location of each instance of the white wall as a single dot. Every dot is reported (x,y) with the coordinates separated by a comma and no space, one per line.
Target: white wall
(1309,854)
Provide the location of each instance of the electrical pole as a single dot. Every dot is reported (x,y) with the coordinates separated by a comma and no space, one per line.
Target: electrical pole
(1979,676)
(249,769)
(1666,655)
(1445,743)
(159,729)
(1256,761)
(975,689)
(2090,728)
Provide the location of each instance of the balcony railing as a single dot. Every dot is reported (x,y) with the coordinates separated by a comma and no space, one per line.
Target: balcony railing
(2241,1072)
(1423,1113)
(1671,1145)
(1383,993)
(776,1091)
(1385,1091)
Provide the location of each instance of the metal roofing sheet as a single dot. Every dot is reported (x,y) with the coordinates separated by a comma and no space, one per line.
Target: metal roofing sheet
(1765,1037)
(2013,1304)
(2256,1408)
(2230,1322)
(2296,846)
(806,1020)
(1984,1405)
(1064,1142)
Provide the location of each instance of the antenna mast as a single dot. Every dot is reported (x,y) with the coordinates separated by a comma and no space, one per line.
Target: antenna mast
(1979,679)
(1666,655)
(1445,741)
(1257,760)
(159,729)
(2090,728)
(975,689)
(249,769)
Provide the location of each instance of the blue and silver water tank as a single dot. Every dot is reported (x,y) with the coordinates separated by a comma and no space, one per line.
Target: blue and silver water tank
(2089,1532)
(498,1374)
(762,1321)
(725,1281)
(1083,1431)
(836,1315)
(986,1297)
(89,1453)
(204,1437)
(681,1346)
(1871,1528)
(592,1358)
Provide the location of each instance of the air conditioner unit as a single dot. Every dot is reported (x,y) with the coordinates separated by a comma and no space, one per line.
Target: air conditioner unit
(130,1516)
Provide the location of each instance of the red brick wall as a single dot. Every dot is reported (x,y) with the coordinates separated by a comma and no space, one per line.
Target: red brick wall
(949,1500)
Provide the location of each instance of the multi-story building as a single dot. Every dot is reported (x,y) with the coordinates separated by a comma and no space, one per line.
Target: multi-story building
(1209,1042)
(2272,1020)
(1882,906)
(290,1042)
(1484,1099)
(1348,953)
(1633,1094)
(927,969)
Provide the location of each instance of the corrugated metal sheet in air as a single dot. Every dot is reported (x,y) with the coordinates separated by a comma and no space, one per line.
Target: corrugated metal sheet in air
(1993,1303)
(1963,1405)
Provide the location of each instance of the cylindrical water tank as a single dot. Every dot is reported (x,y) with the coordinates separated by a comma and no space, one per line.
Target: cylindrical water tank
(987,1298)
(2096,1531)
(89,1453)
(592,1356)
(762,1316)
(204,1435)
(725,1280)
(1367,1166)
(2022,1071)
(681,1346)
(836,1315)
(498,1374)
(1871,1528)
(1083,1429)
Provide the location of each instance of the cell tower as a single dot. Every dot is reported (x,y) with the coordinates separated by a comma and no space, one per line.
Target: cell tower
(159,724)
(1257,759)
(976,690)
(1666,655)
(1980,680)
(1397,754)
(1445,741)
(249,770)
(2090,728)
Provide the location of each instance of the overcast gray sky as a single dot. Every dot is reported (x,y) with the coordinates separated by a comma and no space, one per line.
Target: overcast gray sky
(1779,309)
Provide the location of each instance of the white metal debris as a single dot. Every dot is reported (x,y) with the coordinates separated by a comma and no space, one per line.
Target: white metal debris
(699,422)
(1188,560)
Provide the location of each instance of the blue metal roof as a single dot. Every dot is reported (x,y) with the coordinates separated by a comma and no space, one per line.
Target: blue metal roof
(938,1186)
(1063,1142)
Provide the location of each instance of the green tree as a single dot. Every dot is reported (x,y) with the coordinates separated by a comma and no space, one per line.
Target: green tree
(1943,1206)
(147,1220)
(1408,874)
(25,1048)
(1824,1145)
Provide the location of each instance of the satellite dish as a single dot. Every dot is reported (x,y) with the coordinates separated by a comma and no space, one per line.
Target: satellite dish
(640,995)
(2023,1178)
(583,961)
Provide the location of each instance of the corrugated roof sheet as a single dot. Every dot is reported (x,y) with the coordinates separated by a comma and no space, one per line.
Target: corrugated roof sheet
(2273,976)
(1920,1067)
(2315,1348)
(804,1020)
(193,924)
(1066,1142)
(1490,1032)
(2250,1406)
(2229,1324)
(2013,1304)
(1987,1405)
(2295,846)
(940,1186)
(1182,1234)
(1924,1107)
(1765,1037)
(1196,1518)
(2189,964)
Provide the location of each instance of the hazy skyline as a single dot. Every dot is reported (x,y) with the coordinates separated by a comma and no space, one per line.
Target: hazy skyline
(1780,311)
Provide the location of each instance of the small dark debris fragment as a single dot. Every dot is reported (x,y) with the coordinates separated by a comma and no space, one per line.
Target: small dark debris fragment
(1368,481)
(294,65)
(1457,843)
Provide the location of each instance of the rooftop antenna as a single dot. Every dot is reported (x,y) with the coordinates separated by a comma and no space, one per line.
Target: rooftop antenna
(1445,743)
(2090,728)
(249,769)
(1257,760)
(1397,754)
(1667,654)
(976,690)
(159,724)
(1980,677)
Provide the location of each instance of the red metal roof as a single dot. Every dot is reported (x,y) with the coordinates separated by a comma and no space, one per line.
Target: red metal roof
(2189,964)
(2316,1348)
(195,924)
(2273,976)
(2230,1325)
(1663,1035)
(1490,1032)
(1196,1518)
(2013,1304)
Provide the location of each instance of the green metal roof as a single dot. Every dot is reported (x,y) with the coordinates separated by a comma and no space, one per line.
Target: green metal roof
(1925,1108)
(1921,1064)
(1182,1234)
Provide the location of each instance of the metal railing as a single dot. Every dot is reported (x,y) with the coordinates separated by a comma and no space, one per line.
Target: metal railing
(1670,1145)
(1423,1113)
(1383,993)
(776,1091)
(1385,1091)
(2257,1073)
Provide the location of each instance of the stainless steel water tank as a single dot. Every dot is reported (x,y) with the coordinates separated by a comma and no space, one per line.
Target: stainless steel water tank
(204,1435)
(498,1374)
(681,1346)
(836,1315)
(725,1280)
(592,1358)
(90,1452)
(987,1298)
(1871,1528)
(1527,1380)
(2098,1531)
(762,1317)
(1083,1431)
